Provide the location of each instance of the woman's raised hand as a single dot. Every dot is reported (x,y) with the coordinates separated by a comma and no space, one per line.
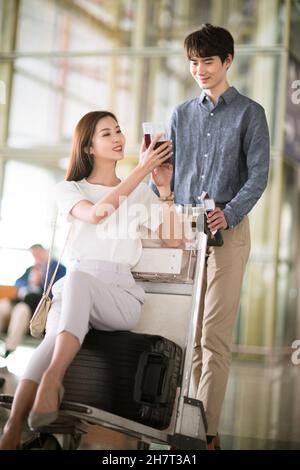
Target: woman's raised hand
(150,158)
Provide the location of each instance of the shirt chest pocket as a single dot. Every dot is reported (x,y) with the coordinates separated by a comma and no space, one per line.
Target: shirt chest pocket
(228,141)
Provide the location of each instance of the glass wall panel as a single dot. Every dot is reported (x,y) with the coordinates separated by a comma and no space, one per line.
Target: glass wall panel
(77,25)
(90,24)
(252,22)
(56,93)
(295,29)
(27,216)
(288,297)
(257,323)
(13,263)
(31,113)
(292,119)
(26,205)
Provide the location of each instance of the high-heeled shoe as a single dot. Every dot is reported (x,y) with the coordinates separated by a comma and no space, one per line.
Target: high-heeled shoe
(37,420)
(217,442)
(213,442)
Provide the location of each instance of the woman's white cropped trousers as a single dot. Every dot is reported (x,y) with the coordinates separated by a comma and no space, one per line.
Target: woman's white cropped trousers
(93,294)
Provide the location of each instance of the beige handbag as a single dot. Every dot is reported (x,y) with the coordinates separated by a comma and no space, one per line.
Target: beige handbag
(38,321)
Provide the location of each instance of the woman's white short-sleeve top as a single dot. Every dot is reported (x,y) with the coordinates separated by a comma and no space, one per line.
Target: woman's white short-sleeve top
(118,237)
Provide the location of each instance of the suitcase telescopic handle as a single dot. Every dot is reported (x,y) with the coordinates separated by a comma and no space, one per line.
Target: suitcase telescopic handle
(152,379)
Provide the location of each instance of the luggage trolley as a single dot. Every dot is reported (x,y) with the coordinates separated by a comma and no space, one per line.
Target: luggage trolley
(163,406)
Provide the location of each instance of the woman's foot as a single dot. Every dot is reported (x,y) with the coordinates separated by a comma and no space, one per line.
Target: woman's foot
(217,442)
(47,401)
(213,442)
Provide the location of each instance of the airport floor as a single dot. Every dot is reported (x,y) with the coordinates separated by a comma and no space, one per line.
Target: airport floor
(261,408)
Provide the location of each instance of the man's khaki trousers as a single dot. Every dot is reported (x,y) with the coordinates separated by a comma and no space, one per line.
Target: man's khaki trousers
(223,276)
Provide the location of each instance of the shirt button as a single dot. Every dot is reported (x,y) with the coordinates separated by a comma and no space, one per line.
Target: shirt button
(208,134)
(211,114)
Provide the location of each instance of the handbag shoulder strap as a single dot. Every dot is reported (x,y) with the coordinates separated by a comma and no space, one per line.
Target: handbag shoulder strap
(48,289)
(54,221)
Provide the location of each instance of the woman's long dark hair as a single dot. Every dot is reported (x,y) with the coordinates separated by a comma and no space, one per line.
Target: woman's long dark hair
(81,162)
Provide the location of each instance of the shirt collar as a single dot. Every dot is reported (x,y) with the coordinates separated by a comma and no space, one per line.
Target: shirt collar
(202,96)
(228,96)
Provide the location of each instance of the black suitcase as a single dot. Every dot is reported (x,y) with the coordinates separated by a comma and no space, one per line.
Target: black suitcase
(128,374)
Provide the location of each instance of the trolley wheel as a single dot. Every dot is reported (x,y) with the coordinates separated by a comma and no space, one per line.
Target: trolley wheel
(71,441)
(143,445)
(41,442)
(51,443)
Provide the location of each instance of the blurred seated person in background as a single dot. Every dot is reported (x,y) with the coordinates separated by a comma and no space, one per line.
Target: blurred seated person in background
(16,314)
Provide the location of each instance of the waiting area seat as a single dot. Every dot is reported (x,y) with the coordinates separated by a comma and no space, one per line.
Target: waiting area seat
(8,292)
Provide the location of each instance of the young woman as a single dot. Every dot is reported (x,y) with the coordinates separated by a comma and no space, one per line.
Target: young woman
(98,290)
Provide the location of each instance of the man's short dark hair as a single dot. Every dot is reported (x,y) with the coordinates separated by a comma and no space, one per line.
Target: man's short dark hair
(209,41)
(37,246)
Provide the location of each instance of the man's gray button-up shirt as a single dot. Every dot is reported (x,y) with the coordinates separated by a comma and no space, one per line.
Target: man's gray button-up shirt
(222,149)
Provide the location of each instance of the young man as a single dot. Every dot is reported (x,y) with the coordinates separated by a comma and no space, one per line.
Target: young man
(221,146)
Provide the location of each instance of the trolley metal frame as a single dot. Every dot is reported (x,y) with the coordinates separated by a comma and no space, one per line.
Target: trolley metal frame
(187,429)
